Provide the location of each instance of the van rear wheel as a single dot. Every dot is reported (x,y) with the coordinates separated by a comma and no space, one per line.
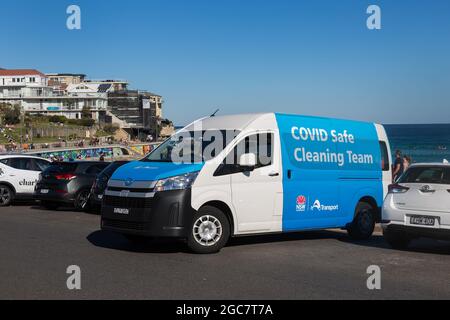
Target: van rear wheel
(209,231)
(363,224)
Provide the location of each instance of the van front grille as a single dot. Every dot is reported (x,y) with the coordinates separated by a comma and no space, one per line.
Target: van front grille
(126,202)
(125,225)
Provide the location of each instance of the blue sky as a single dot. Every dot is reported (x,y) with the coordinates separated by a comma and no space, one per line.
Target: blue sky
(309,57)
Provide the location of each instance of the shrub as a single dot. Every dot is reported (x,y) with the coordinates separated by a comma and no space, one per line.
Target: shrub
(57,119)
(111,128)
(82,122)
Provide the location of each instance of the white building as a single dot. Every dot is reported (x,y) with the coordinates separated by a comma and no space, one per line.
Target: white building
(30,89)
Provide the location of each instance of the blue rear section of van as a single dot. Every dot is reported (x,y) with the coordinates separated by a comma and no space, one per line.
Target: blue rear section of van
(328,166)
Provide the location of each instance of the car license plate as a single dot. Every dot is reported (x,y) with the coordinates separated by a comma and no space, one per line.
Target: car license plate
(121,211)
(44,191)
(423,220)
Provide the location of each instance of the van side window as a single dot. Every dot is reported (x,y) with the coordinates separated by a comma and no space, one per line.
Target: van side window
(384,156)
(260,144)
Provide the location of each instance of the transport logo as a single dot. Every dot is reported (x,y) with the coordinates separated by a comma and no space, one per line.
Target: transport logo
(320,207)
(129,182)
(301,204)
(1,172)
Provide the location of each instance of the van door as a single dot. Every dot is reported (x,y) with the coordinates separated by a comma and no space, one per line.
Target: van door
(310,173)
(257,194)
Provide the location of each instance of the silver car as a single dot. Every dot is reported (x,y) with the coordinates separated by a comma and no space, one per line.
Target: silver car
(418,205)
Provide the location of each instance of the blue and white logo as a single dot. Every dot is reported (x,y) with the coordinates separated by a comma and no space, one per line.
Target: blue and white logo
(320,207)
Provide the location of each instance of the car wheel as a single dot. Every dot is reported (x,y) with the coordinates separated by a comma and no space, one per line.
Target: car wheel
(6,196)
(397,240)
(82,200)
(209,231)
(49,205)
(364,222)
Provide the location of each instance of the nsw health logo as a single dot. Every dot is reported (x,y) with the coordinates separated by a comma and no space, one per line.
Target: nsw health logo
(301,204)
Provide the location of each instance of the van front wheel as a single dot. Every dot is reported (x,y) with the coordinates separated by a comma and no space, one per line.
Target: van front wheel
(209,232)
(363,224)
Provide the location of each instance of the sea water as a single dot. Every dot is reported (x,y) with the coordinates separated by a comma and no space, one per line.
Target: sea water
(422,142)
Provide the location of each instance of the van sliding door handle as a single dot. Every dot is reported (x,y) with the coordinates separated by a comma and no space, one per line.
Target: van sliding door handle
(274,174)
(289,174)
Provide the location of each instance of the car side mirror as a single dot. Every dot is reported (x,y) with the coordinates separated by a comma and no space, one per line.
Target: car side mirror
(247,161)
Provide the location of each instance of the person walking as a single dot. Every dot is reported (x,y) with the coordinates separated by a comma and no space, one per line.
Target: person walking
(398,166)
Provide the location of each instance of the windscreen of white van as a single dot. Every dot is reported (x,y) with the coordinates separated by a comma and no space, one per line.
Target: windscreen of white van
(192,146)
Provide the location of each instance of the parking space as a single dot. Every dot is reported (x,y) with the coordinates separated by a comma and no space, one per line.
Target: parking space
(38,245)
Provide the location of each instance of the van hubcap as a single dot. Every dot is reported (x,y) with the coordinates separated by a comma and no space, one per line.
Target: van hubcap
(207,230)
(4,195)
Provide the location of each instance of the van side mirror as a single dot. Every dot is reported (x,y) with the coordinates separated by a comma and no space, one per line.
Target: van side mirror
(247,161)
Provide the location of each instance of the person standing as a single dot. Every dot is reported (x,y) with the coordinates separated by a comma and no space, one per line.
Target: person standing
(398,166)
(406,162)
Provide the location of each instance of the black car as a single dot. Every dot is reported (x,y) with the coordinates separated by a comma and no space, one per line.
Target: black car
(67,183)
(100,184)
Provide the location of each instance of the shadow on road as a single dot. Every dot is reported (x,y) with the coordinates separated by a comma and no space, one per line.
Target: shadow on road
(421,245)
(111,240)
(115,241)
(284,237)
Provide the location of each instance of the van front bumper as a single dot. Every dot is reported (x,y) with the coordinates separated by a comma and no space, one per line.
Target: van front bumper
(167,214)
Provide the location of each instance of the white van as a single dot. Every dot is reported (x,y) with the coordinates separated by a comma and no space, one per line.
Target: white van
(252,174)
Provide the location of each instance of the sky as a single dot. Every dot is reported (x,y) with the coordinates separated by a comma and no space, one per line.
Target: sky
(311,57)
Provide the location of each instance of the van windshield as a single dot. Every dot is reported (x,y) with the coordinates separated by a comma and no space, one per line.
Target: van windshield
(192,146)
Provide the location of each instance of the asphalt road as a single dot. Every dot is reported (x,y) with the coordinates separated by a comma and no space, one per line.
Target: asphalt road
(37,246)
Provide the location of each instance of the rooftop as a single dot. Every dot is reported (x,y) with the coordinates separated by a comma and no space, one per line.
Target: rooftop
(21,72)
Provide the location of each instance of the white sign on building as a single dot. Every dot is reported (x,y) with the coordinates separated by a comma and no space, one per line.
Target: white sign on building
(146,104)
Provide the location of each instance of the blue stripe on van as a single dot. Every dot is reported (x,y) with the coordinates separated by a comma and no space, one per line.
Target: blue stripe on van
(323,180)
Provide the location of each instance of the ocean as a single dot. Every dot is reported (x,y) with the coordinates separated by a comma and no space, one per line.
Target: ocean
(422,142)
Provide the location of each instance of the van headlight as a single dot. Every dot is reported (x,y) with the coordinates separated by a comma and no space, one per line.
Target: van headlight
(182,182)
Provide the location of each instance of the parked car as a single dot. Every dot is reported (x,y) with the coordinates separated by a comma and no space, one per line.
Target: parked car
(418,205)
(18,177)
(100,184)
(67,183)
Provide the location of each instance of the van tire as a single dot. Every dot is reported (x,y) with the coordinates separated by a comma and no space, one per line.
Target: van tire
(397,240)
(363,224)
(215,223)
(49,205)
(6,195)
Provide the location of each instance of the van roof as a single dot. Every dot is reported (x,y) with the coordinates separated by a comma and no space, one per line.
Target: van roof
(240,121)
(228,122)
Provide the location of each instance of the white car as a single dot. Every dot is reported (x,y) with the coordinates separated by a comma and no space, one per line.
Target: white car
(18,176)
(418,205)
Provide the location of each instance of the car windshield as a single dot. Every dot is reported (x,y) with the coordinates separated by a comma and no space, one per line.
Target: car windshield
(423,174)
(192,146)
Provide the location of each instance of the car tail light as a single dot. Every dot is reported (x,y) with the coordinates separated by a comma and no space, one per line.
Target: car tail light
(396,188)
(65,176)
